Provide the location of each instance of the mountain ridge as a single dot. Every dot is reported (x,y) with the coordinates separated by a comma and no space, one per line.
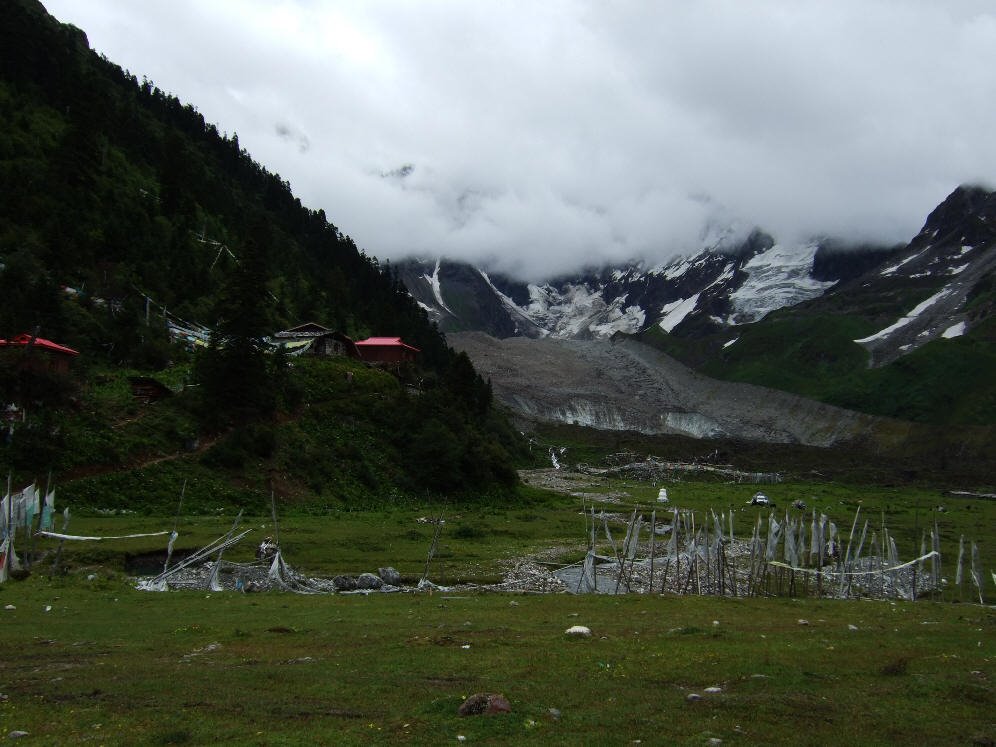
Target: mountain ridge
(878,329)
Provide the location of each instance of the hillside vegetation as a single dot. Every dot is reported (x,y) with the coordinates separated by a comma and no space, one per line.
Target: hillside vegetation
(123,208)
(810,350)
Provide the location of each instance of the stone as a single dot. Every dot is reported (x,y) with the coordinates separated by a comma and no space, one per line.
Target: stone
(344,583)
(553,714)
(389,576)
(368,581)
(486,704)
(10,607)
(17,734)
(692,697)
(578,631)
(713,690)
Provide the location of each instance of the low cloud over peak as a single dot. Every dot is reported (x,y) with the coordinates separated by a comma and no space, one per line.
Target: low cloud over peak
(546,137)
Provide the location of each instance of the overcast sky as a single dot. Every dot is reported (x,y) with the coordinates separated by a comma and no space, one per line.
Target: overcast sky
(545,135)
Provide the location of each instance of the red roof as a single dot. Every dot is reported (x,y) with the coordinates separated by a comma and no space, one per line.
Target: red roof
(40,342)
(386,342)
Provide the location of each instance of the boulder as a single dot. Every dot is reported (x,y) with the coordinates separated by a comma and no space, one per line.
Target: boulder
(368,581)
(484,704)
(389,576)
(578,631)
(344,583)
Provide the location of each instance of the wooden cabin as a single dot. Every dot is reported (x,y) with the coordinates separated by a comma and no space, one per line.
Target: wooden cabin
(39,352)
(386,350)
(314,339)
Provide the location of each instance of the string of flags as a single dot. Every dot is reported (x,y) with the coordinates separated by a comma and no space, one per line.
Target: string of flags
(30,509)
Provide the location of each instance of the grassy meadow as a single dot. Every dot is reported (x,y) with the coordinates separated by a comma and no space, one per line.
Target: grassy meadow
(99,662)
(86,658)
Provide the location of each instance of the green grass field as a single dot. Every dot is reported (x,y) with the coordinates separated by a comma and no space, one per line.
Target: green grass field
(94,660)
(110,665)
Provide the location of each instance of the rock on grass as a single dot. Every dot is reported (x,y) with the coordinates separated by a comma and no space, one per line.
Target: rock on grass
(484,704)
(578,631)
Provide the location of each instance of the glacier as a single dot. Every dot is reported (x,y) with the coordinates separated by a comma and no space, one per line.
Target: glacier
(778,277)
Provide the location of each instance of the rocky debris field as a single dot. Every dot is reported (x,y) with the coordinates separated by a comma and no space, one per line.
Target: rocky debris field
(627,386)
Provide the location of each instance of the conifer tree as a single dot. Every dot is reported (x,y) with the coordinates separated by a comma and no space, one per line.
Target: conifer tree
(234,371)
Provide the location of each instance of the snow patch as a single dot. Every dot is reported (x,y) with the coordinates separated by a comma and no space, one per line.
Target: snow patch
(894,268)
(678,269)
(674,313)
(437,290)
(955,330)
(727,344)
(959,270)
(903,321)
(727,274)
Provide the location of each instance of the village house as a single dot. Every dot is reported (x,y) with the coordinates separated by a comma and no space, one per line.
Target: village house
(37,352)
(386,350)
(314,339)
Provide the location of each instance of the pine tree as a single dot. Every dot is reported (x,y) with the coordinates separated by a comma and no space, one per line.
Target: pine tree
(234,370)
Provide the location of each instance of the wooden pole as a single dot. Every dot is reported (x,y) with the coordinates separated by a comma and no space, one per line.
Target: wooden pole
(653,545)
(58,550)
(276,525)
(432,547)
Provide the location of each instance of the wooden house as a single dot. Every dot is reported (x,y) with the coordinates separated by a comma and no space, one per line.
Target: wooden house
(314,339)
(39,352)
(386,350)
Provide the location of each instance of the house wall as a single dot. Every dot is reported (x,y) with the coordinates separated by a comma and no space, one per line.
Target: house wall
(373,354)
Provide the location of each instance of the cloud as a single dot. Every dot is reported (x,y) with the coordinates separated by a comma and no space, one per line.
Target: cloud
(543,136)
(286,132)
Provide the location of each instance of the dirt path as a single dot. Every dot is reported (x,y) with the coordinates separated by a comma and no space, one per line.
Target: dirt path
(140,462)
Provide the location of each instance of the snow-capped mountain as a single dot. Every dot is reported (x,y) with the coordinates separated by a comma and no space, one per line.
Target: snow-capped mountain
(916,293)
(717,286)
(949,264)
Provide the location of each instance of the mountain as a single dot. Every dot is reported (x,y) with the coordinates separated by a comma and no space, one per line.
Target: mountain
(912,337)
(954,258)
(721,286)
(126,217)
(883,330)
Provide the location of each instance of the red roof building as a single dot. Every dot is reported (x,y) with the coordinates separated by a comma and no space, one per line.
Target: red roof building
(56,356)
(390,350)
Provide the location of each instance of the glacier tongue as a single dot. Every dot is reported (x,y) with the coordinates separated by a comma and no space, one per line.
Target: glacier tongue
(778,277)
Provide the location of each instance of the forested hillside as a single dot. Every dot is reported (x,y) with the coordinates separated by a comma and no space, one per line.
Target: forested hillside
(121,207)
(112,185)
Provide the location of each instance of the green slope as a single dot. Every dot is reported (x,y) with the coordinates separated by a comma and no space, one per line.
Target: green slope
(122,205)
